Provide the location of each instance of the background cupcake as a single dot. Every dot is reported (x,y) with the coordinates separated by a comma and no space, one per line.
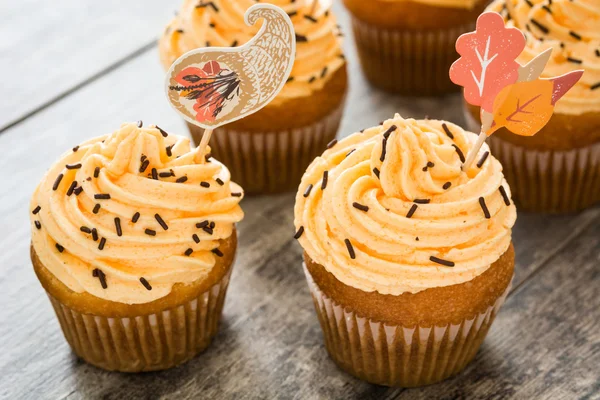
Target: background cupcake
(133,239)
(407,46)
(557,170)
(268,151)
(408,257)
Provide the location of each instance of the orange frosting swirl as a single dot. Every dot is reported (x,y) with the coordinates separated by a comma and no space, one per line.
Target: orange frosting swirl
(221,23)
(126,208)
(572,30)
(390,226)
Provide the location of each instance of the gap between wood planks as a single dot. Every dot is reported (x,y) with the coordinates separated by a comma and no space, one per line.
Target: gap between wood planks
(111,67)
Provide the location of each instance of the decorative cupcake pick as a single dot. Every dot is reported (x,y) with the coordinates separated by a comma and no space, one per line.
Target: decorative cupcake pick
(215,86)
(509,95)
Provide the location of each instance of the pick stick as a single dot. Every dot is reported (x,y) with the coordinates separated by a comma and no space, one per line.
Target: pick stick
(474,150)
(313,8)
(201,149)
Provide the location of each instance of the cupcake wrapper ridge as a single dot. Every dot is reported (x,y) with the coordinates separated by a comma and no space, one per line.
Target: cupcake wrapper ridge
(546,180)
(408,62)
(271,161)
(146,342)
(397,355)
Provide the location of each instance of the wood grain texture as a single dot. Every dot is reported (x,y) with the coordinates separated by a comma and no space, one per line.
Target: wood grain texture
(48,48)
(544,343)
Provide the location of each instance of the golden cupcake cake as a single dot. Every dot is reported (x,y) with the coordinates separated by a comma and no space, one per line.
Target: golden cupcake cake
(407,46)
(557,170)
(268,151)
(133,239)
(407,256)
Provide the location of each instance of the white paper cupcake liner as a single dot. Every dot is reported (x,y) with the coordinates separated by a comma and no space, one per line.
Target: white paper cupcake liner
(272,161)
(547,180)
(408,62)
(146,342)
(397,355)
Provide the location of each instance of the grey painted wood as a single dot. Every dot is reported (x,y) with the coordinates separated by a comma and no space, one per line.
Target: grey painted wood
(48,48)
(544,344)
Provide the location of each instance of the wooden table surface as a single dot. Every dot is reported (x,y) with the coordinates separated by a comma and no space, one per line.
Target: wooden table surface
(77,69)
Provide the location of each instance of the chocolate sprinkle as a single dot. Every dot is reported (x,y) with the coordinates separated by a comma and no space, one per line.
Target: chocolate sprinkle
(350,152)
(412,210)
(102,243)
(575,35)
(301,38)
(447,130)
(140,123)
(236,194)
(447,185)
(75,149)
(460,153)
(78,190)
(73,166)
(391,129)
(324,181)
(150,232)
(168,150)
(218,252)
(383,149)
(308,189)
(422,201)
(165,174)
(161,222)
(595,86)
(188,252)
(57,181)
(540,26)
(59,248)
(360,207)
(486,212)
(234,44)
(574,60)
(205,184)
(96,208)
(376,172)
(37,224)
(102,196)
(202,224)
(94,234)
(85,229)
(145,283)
(442,262)
(118,226)
(71,188)
(219,181)
(162,132)
(332,143)
(154,174)
(323,72)
(504,195)
(36,210)
(96,172)
(196,238)
(299,233)
(96,273)
(181,179)
(482,159)
(311,18)
(144,165)
(350,249)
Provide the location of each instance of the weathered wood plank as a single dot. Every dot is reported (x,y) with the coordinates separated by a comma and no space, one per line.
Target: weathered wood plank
(47,47)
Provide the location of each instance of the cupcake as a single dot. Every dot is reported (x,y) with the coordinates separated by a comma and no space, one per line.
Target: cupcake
(408,257)
(557,170)
(133,239)
(407,46)
(268,151)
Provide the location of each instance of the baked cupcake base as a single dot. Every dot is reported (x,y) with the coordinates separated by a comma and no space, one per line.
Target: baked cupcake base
(396,353)
(547,180)
(141,337)
(408,62)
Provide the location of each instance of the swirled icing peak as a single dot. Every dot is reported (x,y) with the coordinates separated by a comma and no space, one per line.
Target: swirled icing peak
(572,30)
(127,215)
(221,23)
(389,209)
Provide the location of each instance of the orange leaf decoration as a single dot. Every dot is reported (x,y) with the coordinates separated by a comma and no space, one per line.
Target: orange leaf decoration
(523,107)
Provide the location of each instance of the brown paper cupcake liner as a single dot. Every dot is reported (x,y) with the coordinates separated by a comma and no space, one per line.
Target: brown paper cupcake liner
(408,62)
(546,180)
(271,161)
(398,355)
(146,342)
